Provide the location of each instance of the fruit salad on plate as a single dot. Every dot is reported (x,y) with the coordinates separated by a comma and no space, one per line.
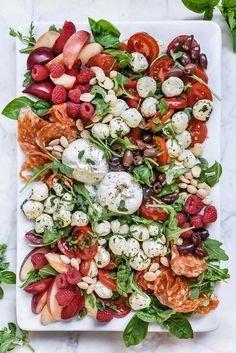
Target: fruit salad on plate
(119,193)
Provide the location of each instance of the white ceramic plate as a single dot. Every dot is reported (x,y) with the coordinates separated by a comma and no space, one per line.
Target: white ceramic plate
(209,36)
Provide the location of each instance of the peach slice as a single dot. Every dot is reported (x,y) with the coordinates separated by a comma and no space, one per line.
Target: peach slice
(54,308)
(65,80)
(58,59)
(56,263)
(88,51)
(27,265)
(46,317)
(39,301)
(73,47)
(47,39)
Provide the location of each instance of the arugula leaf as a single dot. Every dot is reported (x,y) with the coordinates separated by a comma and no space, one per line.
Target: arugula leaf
(54,29)
(142,174)
(179,327)
(135,331)
(47,271)
(119,81)
(168,189)
(174,172)
(125,143)
(29,40)
(124,58)
(211,175)
(105,33)
(215,253)
(10,338)
(178,204)
(102,108)
(27,78)
(200,6)
(108,152)
(96,89)
(176,54)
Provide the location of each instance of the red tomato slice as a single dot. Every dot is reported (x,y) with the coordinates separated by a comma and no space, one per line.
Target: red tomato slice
(106,280)
(131,84)
(198,131)
(132,103)
(179,102)
(121,311)
(112,264)
(134,135)
(161,145)
(64,248)
(197,92)
(181,38)
(160,67)
(106,62)
(145,44)
(199,73)
(154,213)
(84,267)
(87,245)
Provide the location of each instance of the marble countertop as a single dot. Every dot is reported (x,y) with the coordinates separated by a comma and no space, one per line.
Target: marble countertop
(14,12)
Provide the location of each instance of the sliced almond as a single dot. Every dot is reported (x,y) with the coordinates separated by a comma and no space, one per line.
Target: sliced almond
(74,264)
(56,154)
(79,124)
(85,134)
(65,259)
(107,118)
(83,285)
(54,142)
(150,276)
(64,142)
(58,148)
(154,267)
(87,279)
(164,261)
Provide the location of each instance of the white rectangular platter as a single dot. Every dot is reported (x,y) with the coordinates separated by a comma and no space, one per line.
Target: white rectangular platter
(208,34)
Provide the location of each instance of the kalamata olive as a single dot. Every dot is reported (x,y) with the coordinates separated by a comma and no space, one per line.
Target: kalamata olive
(187,44)
(42,90)
(186,249)
(150,152)
(174,72)
(153,178)
(177,45)
(157,187)
(201,251)
(128,158)
(170,198)
(203,62)
(202,233)
(116,147)
(185,59)
(41,55)
(190,69)
(141,145)
(195,52)
(147,137)
(161,178)
(147,193)
(33,239)
(138,160)
(196,239)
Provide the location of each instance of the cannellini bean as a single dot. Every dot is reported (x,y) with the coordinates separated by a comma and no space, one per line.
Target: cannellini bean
(183,179)
(183,185)
(193,182)
(188,176)
(202,193)
(196,171)
(192,189)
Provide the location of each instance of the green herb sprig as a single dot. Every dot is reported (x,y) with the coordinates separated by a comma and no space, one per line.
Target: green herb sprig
(28,40)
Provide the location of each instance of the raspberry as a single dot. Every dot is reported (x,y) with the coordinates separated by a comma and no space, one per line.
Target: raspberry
(85,76)
(39,72)
(193,205)
(197,221)
(209,215)
(73,276)
(61,281)
(57,70)
(72,72)
(105,316)
(188,233)
(73,110)
(86,112)
(67,31)
(64,297)
(181,218)
(74,95)
(59,94)
(38,261)
(84,88)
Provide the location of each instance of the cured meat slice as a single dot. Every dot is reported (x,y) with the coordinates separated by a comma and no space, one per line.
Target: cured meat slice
(34,161)
(205,309)
(52,178)
(58,114)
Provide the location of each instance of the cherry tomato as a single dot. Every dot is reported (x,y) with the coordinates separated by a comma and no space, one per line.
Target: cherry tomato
(134,135)
(87,245)
(198,131)
(199,73)
(181,38)
(121,311)
(197,92)
(84,267)
(154,213)
(160,67)
(131,84)
(106,62)
(161,145)
(104,277)
(179,102)
(63,246)
(132,103)
(122,46)
(145,44)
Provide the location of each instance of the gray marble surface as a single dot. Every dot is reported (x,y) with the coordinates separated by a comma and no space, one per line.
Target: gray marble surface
(14,12)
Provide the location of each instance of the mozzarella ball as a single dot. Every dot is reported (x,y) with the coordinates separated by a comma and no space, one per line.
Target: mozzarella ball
(152,248)
(118,127)
(139,301)
(102,229)
(87,161)
(120,193)
(132,247)
(140,261)
(63,217)
(174,149)
(32,209)
(101,131)
(44,221)
(102,241)
(139,232)
(67,202)
(119,107)
(93,269)
(153,230)
(117,244)
(172,87)
(39,192)
(132,117)
(79,219)
(51,204)
(124,229)
(179,122)
(146,85)
(103,291)
(102,258)
(202,109)
(57,187)
(184,139)
(139,62)
(149,107)
(115,225)
(190,160)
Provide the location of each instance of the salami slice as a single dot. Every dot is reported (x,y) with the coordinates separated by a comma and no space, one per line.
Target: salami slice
(205,309)
(58,114)
(34,161)
(54,177)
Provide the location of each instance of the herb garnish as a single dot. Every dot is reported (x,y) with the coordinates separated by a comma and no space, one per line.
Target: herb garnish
(27,40)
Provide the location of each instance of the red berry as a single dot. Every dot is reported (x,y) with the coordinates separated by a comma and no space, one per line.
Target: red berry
(61,281)
(64,297)
(86,112)
(74,95)
(73,276)
(73,110)
(72,72)
(197,221)
(67,31)
(38,261)
(209,215)
(77,64)
(84,88)
(181,218)
(59,94)
(57,70)
(105,316)
(85,76)
(188,233)
(193,205)
(39,72)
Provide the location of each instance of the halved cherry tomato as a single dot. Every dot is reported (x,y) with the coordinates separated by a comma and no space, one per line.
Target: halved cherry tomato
(161,145)
(112,264)
(133,93)
(109,282)
(87,245)
(131,84)
(150,124)
(84,267)
(122,46)
(198,131)
(197,92)
(132,103)
(199,73)
(134,134)
(181,38)
(154,213)
(145,44)
(179,102)
(63,246)
(160,67)
(121,311)
(106,62)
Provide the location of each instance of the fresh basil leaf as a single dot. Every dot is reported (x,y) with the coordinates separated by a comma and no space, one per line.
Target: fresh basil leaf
(122,207)
(215,253)
(203,163)
(208,14)
(27,79)
(105,33)
(124,58)
(1,293)
(33,277)
(135,331)
(178,204)
(199,6)
(211,175)
(176,55)
(179,327)
(41,107)
(142,174)
(29,40)
(10,338)
(7,277)
(47,271)
(168,189)
(123,280)
(13,108)
(102,108)
(52,235)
